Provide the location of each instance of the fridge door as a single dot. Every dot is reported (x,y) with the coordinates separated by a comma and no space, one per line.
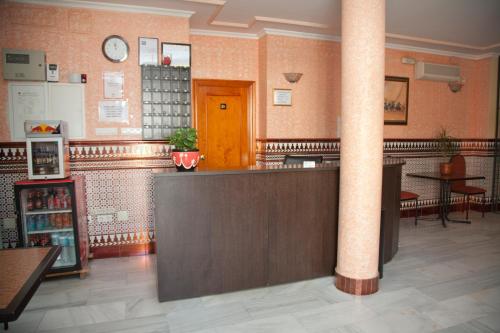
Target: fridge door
(46,216)
(45,158)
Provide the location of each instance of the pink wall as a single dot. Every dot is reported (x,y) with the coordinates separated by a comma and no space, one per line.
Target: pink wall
(262,85)
(432,104)
(72,38)
(227,59)
(316,97)
(224,58)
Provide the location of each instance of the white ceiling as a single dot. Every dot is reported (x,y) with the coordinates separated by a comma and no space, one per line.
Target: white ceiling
(468,27)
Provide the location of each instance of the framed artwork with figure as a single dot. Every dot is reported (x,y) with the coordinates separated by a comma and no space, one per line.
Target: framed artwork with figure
(396,100)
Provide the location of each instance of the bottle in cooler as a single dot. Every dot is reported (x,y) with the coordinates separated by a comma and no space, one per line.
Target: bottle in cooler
(71,248)
(63,241)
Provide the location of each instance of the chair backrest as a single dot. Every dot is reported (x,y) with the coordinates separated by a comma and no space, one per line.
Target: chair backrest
(458,169)
(299,159)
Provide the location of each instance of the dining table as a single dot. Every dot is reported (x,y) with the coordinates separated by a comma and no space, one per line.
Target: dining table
(445,182)
(22,270)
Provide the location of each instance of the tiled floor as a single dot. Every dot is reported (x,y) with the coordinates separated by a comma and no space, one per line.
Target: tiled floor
(442,280)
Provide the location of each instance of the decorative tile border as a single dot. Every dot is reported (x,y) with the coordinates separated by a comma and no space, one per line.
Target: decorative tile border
(419,154)
(113,171)
(119,177)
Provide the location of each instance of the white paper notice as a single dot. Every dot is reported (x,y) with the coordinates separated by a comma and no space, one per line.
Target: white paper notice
(29,100)
(113,111)
(113,84)
(148,51)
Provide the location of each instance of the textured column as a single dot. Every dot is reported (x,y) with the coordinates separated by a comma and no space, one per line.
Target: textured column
(361,154)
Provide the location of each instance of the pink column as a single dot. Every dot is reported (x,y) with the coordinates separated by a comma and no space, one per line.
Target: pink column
(361,155)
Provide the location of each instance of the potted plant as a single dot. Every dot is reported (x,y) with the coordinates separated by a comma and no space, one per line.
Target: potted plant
(447,148)
(185,154)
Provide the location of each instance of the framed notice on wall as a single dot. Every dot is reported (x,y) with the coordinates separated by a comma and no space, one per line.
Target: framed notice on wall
(148,51)
(176,54)
(282,97)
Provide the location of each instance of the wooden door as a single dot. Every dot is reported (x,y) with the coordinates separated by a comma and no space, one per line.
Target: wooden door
(223,115)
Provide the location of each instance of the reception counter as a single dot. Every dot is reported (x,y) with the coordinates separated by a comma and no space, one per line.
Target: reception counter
(221,231)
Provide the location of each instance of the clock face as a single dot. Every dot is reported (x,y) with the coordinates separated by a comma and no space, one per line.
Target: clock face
(115,48)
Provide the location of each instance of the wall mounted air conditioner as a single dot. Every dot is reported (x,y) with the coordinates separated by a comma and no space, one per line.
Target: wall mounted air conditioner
(437,72)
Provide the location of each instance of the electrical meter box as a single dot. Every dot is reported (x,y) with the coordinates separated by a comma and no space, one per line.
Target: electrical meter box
(23,65)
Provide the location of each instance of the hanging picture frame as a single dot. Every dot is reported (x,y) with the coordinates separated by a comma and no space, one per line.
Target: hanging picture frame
(176,54)
(396,90)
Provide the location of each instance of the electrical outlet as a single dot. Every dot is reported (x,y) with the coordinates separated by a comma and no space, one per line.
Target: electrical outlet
(122,215)
(104,218)
(131,131)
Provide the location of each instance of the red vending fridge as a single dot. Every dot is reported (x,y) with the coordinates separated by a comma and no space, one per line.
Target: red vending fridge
(52,212)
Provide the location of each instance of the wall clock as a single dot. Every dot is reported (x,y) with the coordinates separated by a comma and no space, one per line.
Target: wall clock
(115,48)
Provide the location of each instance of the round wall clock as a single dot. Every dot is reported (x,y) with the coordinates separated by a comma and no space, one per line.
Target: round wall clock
(115,48)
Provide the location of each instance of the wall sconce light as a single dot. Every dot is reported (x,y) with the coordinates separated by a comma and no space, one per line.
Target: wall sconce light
(456,86)
(292,77)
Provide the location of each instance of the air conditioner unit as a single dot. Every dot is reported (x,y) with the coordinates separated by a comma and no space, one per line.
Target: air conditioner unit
(437,72)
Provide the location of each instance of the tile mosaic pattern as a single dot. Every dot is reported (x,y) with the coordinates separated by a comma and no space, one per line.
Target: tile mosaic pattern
(8,236)
(117,170)
(418,154)
(113,170)
(109,192)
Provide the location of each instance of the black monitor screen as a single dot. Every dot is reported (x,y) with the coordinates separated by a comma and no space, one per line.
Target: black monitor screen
(16,58)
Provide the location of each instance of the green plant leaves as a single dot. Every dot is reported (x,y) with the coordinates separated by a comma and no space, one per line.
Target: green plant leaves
(184,139)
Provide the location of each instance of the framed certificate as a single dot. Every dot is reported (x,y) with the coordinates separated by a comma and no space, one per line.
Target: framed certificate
(176,54)
(148,51)
(282,97)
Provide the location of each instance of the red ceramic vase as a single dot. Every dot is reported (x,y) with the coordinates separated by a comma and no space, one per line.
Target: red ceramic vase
(185,160)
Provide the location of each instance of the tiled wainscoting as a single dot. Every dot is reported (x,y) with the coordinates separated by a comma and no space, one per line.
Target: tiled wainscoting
(420,155)
(119,177)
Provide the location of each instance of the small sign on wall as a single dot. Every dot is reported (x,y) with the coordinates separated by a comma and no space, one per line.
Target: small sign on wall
(282,97)
(113,111)
(113,85)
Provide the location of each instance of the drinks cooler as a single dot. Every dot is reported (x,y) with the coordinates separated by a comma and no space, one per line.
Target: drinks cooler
(47,148)
(52,212)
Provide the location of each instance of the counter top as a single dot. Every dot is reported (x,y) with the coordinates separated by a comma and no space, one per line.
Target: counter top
(329,165)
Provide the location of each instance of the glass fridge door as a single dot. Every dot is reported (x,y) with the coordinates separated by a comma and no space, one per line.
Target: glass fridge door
(45,157)
(47,219)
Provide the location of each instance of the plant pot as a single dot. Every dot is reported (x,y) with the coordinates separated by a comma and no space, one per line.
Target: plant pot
(445,168)
(185,160)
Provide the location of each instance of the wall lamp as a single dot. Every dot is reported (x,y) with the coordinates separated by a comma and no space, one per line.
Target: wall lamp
(456,86)
(292,77)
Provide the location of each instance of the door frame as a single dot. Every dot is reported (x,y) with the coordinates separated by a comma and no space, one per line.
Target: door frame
(251,112)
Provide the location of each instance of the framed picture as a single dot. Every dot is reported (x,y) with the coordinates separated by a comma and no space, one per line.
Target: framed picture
(282,97)
(148,51)
(176,54)
(396,100)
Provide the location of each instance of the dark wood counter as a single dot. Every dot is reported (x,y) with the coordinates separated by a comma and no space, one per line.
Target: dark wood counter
(221,231)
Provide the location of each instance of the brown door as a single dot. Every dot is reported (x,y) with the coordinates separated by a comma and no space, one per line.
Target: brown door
(224,118)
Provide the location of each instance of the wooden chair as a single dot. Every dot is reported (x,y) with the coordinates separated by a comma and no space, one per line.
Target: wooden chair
(460,187)
(408,196)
